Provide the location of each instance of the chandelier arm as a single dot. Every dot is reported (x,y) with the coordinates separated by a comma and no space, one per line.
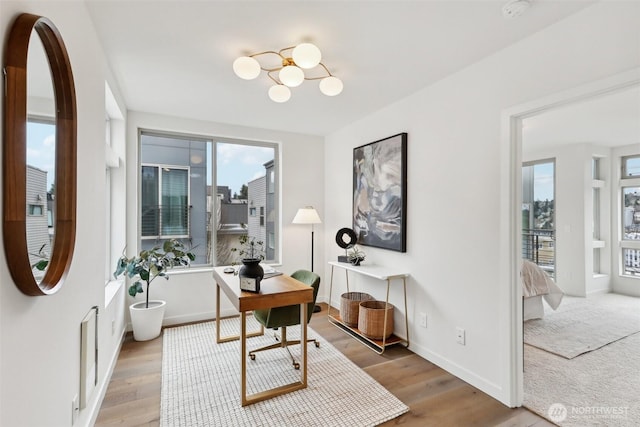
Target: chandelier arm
(266,52)
(273,78)
(271,70)
(286,48)
(320,77)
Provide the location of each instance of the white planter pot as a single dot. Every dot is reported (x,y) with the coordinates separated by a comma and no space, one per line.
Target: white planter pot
(147,322)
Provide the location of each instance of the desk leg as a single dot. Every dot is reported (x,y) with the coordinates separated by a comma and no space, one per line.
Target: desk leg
(303,342)
(243,359)
(220,339)
(268,394)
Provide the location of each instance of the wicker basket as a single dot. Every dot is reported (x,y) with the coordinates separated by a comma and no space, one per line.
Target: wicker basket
(371,319)
(349,306)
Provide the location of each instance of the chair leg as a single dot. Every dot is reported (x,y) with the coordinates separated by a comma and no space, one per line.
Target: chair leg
(284,344)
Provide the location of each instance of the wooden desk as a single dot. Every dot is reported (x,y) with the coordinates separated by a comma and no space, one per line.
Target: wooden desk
(276,291)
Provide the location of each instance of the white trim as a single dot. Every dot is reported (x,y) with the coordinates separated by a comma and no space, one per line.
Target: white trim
(511,196)
(94,410)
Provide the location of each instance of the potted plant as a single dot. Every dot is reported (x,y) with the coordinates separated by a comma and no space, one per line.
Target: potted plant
(251,252)
(146,316)
(355,255)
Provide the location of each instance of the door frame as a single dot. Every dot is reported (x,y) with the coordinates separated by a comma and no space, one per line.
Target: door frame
(511,219)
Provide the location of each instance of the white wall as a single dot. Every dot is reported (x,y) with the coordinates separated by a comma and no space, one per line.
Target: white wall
(190,295)
(457,231)
(40,336)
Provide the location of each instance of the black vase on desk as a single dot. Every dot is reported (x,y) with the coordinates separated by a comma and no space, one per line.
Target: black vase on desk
(251,273)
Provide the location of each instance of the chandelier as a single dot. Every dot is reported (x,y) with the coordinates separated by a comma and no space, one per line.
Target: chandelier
(295,65)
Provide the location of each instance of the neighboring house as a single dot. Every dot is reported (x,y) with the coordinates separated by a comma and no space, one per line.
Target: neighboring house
(231,220)
(38,239)
(262,222)
(270,214)
(256,224)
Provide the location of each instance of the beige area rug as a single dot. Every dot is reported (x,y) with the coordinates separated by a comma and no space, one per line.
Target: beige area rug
(599,388)
(581,325)
(201,383)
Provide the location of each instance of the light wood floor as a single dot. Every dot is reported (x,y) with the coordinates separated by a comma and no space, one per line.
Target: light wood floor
(435,397)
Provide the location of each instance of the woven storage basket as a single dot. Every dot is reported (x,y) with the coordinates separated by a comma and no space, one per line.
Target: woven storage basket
(371,319)
(349,306)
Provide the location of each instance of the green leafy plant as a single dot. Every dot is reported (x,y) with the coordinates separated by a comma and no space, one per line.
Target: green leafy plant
(153,263)
(355,255)
(250,248)
(44,259)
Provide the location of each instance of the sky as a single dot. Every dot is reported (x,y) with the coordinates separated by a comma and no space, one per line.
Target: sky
(41,148)
(543,181)
(238,164)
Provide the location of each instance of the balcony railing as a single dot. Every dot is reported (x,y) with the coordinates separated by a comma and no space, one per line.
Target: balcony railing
(166,221)
(539,246)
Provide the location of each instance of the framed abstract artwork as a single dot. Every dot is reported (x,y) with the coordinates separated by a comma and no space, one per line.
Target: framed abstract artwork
(380,193)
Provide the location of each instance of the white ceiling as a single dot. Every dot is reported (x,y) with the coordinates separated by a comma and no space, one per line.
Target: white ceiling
(175,57)
(609,120)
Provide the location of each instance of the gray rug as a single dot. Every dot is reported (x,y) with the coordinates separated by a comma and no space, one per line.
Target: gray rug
(201,383)
(581,325)
(599,388)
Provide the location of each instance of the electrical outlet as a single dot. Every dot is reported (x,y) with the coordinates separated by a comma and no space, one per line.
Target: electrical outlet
(460,336)
(75,409)
(423,320)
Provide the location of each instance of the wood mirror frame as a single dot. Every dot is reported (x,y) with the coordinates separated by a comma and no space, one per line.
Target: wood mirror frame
(15,155)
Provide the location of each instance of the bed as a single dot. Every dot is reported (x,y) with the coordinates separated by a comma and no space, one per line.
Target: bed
(536,286)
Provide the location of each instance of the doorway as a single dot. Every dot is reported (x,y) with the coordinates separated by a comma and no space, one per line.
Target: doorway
(513,137)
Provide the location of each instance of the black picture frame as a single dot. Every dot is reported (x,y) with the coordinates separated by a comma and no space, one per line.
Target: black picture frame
(379,212)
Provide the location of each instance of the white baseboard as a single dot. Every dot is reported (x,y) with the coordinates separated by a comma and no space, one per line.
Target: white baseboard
(465,375)
(104,385)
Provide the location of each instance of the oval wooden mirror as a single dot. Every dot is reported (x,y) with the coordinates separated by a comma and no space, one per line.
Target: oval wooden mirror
(15,184)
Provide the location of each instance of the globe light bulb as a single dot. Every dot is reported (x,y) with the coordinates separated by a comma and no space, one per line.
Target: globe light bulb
(291,76)
(246,68)
(279,93)
(331,86)
(306,55)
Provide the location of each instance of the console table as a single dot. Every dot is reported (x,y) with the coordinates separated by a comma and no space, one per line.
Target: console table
(380,273)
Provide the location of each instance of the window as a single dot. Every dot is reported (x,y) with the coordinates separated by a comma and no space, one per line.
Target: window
(115,215)
(595,212)
(35,210)
(538,213)
(631,167)
(165,201)
(250,169)
(631,231)
(207,192)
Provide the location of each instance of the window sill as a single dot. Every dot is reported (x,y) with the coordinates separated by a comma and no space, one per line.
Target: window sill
(111,290)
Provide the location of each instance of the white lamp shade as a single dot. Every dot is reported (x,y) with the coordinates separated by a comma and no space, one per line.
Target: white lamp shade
(331,86)
(246,68)
(306,55)
(307,215)
(291,76)
(279,93)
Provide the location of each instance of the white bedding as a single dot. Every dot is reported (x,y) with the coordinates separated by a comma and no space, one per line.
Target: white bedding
(536,285)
